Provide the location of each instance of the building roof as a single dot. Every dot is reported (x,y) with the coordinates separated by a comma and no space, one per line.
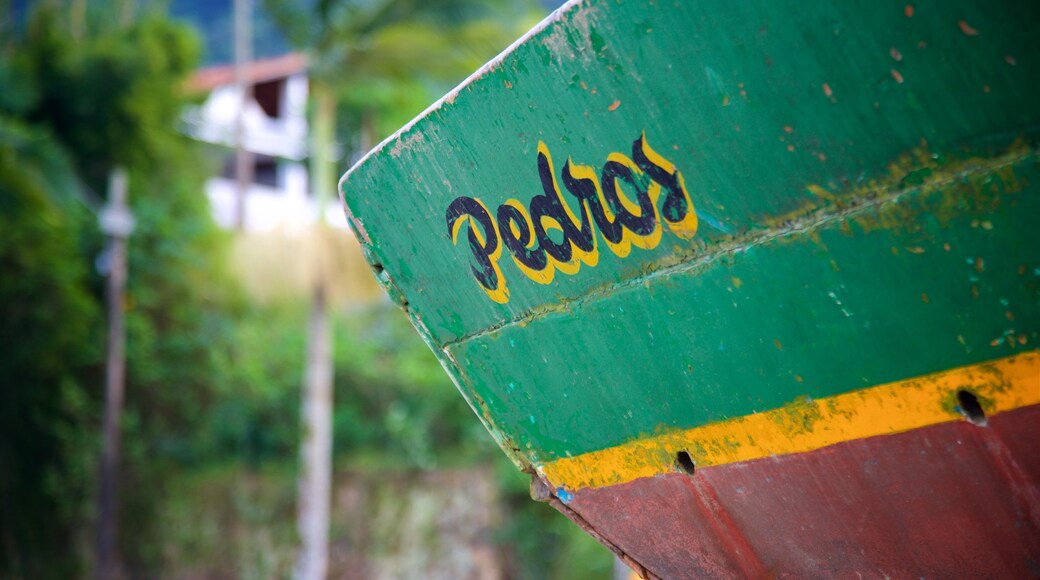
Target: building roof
(257,71)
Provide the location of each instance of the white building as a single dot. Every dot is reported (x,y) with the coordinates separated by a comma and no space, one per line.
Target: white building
(274,131)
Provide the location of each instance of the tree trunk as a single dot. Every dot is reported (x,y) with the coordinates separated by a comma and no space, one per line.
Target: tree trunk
(244,161)
(368,131)
(316,447)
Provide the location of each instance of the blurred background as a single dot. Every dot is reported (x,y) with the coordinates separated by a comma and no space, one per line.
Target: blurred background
(172,256)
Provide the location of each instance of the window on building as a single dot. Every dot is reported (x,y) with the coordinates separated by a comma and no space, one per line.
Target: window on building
(269,96)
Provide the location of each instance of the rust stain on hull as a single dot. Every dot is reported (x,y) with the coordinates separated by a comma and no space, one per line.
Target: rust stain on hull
(948,501)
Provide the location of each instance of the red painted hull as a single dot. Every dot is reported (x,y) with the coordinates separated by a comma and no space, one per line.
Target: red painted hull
(952,500)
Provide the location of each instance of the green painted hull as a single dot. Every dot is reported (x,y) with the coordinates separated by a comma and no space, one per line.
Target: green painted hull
(648,218)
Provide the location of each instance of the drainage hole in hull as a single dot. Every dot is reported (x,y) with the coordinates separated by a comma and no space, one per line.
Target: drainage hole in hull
(685,463)
(968,405)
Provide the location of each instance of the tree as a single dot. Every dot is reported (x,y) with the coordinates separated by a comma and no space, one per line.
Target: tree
(354,45)
(384,61)
(47,324)
(77,103)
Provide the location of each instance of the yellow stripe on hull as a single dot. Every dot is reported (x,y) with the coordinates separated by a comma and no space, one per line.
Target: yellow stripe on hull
(1000,385)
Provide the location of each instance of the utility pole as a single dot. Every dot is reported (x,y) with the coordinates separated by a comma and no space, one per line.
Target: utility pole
(77,19)
(126,12)
(243,17)
(116,222)
(315,485)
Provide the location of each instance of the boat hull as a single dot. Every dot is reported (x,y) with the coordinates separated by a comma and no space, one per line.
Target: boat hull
(948,501)
(749,289)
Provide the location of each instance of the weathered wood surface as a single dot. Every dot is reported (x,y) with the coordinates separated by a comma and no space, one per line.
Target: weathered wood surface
(650,222)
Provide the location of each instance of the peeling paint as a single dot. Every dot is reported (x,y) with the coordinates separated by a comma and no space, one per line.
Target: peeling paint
(406,142)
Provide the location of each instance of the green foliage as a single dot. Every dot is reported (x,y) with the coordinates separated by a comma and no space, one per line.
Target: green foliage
(394,401)
(48,329)
(538,542)
(112,100)
(394,406)
(178,317)
(213,381)
(75,110)
(396,412)
(387,60)
(255,416)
